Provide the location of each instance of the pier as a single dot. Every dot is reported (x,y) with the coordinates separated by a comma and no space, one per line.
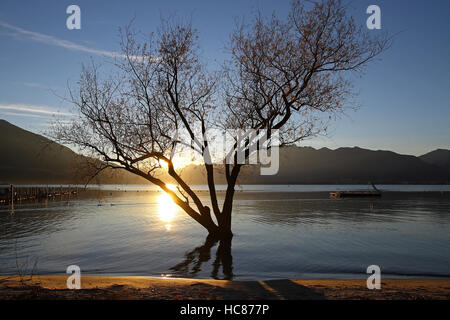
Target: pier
(10,194)
(354,194)
(357,193)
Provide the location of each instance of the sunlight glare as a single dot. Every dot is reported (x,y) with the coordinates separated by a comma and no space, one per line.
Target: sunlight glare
(178,163)
(166,207)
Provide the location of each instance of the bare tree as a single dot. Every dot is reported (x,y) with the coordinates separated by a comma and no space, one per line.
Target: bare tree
(282,75)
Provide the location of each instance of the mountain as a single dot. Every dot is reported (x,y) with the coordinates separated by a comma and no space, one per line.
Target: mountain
(306,165)
(438,157)
(354,165)
(28,158)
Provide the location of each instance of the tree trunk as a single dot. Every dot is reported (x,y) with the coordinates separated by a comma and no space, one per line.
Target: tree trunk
(225,217)
(222,233)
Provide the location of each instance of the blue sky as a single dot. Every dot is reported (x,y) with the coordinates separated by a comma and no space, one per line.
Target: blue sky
(404,98)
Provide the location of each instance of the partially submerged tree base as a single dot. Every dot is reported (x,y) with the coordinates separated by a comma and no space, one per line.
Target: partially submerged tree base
(220,234)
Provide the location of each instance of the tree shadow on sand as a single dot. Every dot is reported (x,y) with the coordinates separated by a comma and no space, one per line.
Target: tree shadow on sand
(194,259)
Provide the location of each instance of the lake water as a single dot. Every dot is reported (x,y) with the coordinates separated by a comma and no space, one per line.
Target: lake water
(279,232)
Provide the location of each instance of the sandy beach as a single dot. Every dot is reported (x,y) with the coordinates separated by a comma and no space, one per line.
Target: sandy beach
(53,287)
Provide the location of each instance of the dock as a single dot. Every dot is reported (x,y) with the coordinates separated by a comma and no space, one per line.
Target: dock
(356,193)
(10,194)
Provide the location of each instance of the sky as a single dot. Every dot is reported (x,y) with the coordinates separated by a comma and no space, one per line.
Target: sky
(404,98)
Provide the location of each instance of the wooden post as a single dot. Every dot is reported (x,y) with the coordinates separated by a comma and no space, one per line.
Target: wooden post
(12,195)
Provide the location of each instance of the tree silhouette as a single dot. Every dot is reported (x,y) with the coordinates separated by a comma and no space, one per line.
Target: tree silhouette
(289,75)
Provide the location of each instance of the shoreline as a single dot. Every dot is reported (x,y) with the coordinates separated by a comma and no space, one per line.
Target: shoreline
(53,287)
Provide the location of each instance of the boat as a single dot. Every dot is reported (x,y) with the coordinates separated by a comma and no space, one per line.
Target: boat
(356,193)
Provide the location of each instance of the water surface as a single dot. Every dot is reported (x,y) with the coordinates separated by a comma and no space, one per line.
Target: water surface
(279,233)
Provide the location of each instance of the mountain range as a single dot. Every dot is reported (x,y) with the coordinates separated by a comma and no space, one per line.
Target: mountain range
(29,158)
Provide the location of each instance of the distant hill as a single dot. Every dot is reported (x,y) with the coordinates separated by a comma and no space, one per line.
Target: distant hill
(439,157)
(306,165)
(354,165)
(30,158)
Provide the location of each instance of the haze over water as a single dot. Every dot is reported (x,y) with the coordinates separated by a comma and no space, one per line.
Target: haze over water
(279,232)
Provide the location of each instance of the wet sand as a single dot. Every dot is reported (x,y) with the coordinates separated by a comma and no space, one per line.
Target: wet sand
(100,288)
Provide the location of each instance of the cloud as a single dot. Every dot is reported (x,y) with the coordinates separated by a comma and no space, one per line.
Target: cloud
(30,110)
(35,85)
(43,38)
(17,114)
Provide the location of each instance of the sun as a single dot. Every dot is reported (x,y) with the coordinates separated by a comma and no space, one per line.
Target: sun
(166,207)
